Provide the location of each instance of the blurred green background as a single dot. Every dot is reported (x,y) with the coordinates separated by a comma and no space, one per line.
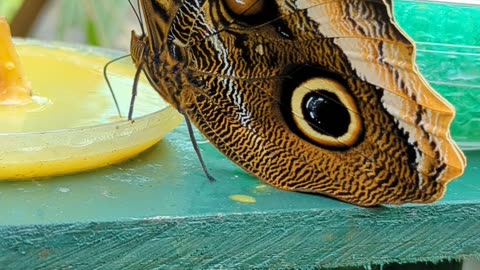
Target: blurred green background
(101,23)
(9,7)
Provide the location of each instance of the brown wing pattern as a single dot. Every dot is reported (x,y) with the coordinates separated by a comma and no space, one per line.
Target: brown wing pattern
(317,96)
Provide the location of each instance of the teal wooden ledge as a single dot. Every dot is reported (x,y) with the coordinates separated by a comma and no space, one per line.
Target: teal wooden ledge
(159,210)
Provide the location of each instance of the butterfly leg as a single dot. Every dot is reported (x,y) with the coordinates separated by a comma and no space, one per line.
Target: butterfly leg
(134,91)
(197,150)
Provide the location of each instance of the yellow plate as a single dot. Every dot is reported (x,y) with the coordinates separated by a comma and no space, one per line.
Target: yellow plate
(74,126)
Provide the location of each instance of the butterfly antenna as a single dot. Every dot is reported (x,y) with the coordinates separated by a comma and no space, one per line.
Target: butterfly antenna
(138,15)
(105,75)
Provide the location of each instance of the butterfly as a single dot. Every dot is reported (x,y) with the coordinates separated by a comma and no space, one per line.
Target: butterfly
(314,96)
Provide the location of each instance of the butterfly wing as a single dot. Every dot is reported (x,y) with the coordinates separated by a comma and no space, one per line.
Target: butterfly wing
(315,96)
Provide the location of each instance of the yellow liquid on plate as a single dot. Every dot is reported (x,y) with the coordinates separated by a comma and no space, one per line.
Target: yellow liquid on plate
(70,91)
(72,99)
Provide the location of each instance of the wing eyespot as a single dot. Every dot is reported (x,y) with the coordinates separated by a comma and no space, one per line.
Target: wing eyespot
(324,112)
(245,7)
(248,13)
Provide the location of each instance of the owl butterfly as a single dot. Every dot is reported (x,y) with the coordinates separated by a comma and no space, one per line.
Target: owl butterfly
(317,96)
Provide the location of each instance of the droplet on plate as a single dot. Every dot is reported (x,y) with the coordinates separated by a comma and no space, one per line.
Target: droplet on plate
(261,187)
(242,198)
(64,189)
(10,65)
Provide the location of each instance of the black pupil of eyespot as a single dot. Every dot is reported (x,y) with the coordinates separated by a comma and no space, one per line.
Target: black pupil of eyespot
(325,113)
